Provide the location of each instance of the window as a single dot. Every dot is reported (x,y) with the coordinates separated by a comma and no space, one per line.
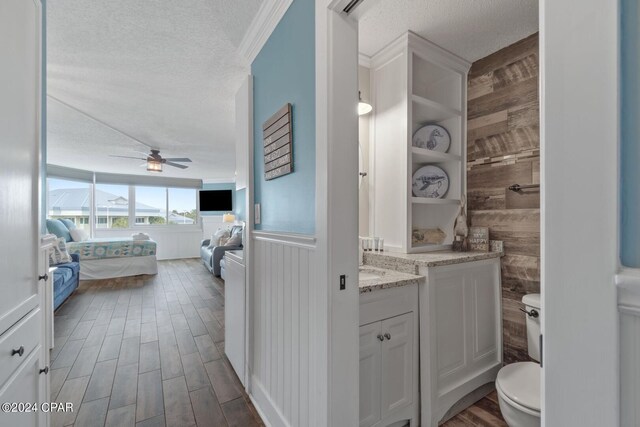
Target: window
(154,206)
(70,200)
(151,205)
(112,206)
(182,206)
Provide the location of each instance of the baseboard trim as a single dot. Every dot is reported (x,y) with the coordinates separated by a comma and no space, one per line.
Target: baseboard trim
(269,413)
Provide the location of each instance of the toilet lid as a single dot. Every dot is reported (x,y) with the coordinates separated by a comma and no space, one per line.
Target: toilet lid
(520,382)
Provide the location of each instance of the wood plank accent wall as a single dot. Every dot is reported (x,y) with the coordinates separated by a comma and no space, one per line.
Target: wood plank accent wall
(503,146)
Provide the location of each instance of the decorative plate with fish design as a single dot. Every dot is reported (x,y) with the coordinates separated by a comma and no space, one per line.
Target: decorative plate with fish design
(432,137)
(430,181)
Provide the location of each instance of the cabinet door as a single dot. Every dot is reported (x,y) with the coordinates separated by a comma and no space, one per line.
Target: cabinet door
(370,374)
(20,35)
(26,385)
(397,363)
(484,332)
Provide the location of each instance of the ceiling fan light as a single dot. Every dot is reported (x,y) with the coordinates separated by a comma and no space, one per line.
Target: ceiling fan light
(154,166)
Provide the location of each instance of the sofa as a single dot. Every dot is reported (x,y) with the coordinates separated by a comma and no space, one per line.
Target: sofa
(66,278)
(211,256)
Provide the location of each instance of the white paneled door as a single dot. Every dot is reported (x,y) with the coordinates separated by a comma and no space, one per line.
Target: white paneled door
(22,354)
(370,374)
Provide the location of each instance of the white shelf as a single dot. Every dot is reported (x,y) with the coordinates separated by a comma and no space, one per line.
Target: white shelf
(432,111)
(422,155)
(431,201)
(427,247)
(432,92)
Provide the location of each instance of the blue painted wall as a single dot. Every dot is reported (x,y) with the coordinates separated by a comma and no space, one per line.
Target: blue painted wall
(630,134)
(284,71)
(221,186)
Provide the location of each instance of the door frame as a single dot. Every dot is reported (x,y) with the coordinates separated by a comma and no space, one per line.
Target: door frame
(337,211)
(579,232)
(579,220)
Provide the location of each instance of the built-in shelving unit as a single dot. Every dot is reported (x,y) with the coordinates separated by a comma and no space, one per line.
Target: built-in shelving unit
(415,83)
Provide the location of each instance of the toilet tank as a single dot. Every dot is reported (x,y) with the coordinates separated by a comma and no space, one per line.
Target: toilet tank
(532,302)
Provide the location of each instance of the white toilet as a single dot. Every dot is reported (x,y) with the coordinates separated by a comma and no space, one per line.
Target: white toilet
(518,384)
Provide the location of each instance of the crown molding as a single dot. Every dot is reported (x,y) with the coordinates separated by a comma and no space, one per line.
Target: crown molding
(262,25)
(219,181)
(364,60)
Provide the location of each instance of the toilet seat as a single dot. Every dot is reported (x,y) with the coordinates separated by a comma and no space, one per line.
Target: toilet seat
(519,384)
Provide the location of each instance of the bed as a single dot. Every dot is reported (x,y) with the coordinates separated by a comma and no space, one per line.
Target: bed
(106,258)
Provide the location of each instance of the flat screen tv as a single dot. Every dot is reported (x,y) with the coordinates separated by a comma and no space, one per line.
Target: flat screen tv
(216,200)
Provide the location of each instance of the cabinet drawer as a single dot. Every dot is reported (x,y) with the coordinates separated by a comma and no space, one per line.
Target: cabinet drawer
(26,333)
(26,385)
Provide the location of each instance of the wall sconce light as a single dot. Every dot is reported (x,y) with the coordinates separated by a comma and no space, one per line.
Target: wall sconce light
(363,107)
(228,217)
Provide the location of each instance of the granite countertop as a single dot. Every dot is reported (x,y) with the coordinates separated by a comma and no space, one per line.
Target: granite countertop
(374,278)
(409,263)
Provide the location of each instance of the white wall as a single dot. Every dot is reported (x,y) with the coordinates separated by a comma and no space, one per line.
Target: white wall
(363,131)
(210,224)
(579,140)
(173,242)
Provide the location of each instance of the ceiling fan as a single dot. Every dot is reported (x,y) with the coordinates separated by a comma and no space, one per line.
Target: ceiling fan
(154,160)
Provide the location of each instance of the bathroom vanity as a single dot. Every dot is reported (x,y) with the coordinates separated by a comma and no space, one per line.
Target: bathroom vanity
(389,347)
(450,303)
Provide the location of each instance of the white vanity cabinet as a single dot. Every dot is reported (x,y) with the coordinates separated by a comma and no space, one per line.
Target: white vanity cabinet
(389,356)
(460,333)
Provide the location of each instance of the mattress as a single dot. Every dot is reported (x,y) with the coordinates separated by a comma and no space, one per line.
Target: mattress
(106,248)
(107,268)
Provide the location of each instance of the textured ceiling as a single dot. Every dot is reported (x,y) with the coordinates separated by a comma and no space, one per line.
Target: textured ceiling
(471,29)
(164,72)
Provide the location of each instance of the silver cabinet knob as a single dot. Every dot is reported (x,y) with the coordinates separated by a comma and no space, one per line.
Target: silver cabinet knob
(380,337)
(387,336)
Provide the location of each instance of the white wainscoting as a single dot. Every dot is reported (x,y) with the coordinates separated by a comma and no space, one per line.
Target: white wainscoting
(628,282)
(284,291)
(180,241)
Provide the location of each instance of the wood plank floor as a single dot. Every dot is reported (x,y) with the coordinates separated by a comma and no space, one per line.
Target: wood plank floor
(485,413)
(147,351)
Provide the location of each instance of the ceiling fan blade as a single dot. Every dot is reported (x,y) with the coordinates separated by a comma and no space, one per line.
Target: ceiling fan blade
(177,159)
(177,165)
(126,157)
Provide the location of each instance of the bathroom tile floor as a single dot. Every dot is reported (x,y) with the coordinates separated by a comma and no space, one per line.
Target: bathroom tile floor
(147,351)
(484,413)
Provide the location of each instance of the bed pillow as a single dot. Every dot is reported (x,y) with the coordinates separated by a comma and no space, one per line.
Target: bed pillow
(59,253)
(68,223)
(78,234)
(58,228)
(219,236)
